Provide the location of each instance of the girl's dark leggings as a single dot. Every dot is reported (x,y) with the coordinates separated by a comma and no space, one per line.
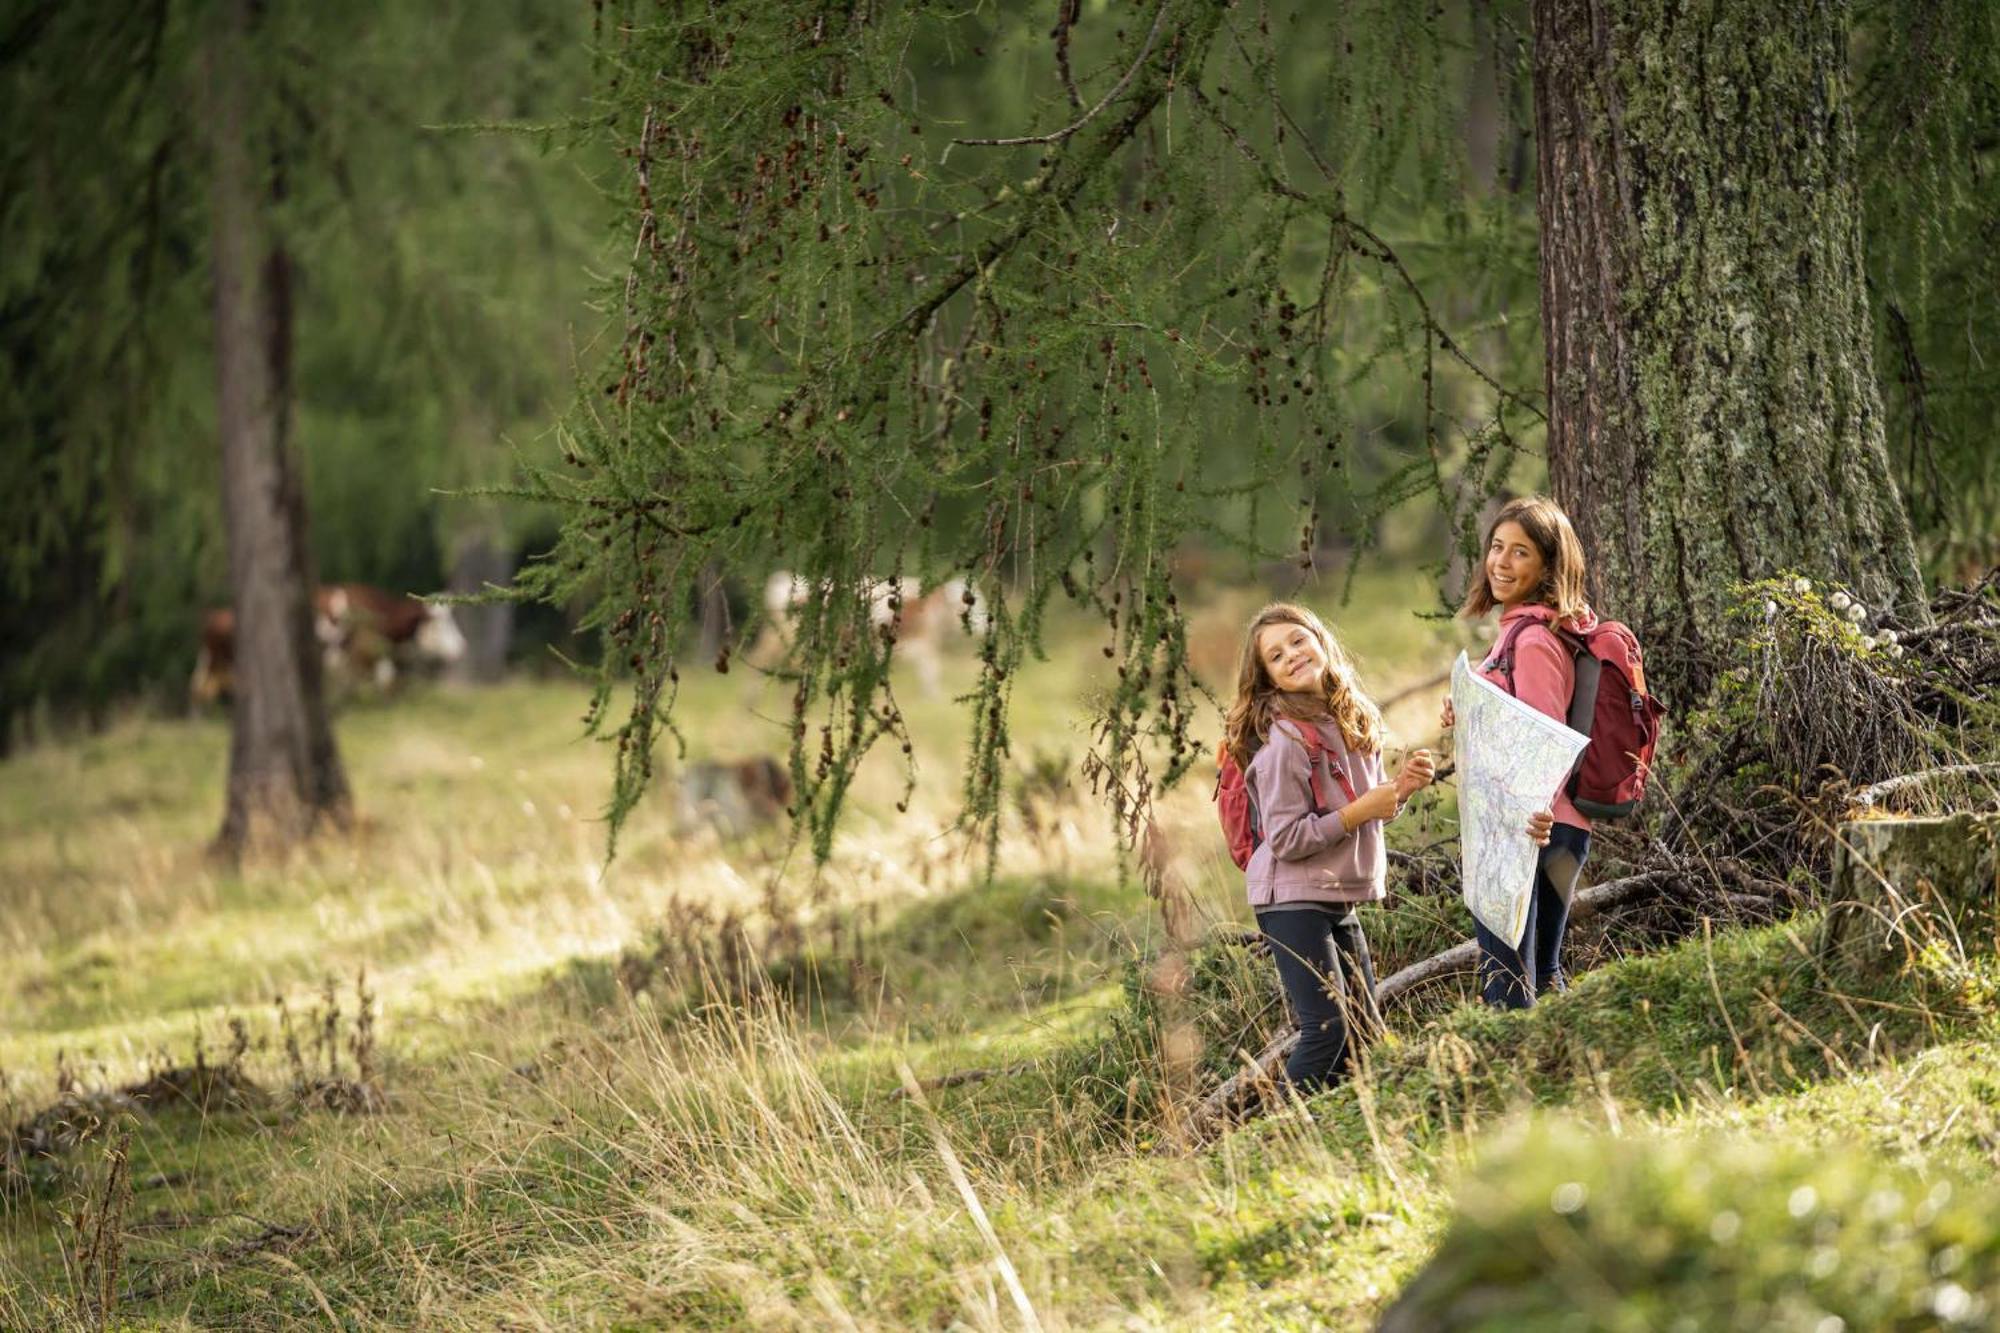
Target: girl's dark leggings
(1511,978)
(1309,947)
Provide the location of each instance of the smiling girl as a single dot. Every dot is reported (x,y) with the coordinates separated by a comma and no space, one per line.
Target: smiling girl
(1533,571)
(1310,744)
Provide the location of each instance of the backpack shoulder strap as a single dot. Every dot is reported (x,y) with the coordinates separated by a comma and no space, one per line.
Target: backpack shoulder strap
(1589,670)
(1583,692)
(1504,656)
(1315,748)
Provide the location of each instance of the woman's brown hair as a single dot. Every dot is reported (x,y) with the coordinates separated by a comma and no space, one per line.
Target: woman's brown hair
(1548,527)
(1260,703)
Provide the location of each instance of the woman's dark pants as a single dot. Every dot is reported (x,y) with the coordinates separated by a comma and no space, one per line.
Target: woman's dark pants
(1309,946)
(1511,978)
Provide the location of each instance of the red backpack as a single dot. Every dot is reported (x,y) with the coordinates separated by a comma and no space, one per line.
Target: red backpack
(1236,806)
(1610,705)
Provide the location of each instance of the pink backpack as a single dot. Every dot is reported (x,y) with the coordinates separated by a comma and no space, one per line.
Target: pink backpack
(1610,705)
(1236,807)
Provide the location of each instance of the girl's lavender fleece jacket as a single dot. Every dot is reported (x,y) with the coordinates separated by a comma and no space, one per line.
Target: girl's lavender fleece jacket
(1307,857)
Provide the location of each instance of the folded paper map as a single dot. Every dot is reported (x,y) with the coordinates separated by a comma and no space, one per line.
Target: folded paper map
(1511,760)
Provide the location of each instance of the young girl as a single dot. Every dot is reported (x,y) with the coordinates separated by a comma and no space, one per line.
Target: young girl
(1300,724)
(1533,571)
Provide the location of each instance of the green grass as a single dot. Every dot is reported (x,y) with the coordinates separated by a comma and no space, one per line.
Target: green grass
(564,1151)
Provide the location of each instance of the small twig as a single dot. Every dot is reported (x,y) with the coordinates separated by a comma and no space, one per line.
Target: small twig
(273,1235)
(1751,904)
(1397,985)
(1949,626)
(1058,136)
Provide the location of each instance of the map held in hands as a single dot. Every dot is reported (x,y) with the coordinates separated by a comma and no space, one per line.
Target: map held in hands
(1511,760)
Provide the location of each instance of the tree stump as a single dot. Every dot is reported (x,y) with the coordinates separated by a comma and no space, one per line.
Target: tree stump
(1904,884)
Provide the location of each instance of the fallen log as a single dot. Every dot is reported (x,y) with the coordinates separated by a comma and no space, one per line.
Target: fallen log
(1393,990)
(1868,797)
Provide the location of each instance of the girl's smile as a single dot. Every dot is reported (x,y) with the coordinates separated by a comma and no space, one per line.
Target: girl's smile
(1292,656)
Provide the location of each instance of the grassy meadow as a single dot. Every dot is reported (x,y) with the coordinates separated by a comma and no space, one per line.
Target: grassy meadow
(454,1071)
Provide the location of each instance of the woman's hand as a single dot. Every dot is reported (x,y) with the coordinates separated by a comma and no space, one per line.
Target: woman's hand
(1539,825)
(1449,716)
(1418,772)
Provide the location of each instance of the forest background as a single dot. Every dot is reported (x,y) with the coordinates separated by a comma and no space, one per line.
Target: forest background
(458,199)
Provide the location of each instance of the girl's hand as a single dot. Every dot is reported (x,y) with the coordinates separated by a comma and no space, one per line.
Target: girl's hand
(1448,716)
(1539,825)
(1418,772)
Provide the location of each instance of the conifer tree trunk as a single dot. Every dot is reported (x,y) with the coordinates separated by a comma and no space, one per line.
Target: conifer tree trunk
(1714,414)
(285,774)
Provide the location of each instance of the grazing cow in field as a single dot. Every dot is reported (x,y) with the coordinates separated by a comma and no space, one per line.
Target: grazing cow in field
(921,622)
(381,633)
(363,633)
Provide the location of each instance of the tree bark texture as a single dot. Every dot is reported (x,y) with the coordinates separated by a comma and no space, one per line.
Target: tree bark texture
(285,774)
(1714,414)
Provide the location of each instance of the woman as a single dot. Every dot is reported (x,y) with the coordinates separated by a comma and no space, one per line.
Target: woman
(1533,573)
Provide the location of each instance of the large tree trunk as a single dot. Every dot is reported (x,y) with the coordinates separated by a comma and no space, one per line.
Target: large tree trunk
(285,774)
(1714,414)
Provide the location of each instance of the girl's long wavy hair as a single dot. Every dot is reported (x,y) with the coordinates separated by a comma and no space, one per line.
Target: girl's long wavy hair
(1260,703)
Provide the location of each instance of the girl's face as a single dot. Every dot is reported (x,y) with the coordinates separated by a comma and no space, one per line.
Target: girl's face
(1292,656)
(1514,568)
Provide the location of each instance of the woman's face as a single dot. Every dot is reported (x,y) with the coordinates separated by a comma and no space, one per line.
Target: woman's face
(1514,568)
(1291,655)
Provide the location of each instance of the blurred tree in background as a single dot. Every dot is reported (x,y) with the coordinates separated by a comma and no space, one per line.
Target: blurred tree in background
(437,280)
(285,773)
(1927,103)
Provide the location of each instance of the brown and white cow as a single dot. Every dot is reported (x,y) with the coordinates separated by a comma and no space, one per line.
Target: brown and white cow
(381,633)
(364,633)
